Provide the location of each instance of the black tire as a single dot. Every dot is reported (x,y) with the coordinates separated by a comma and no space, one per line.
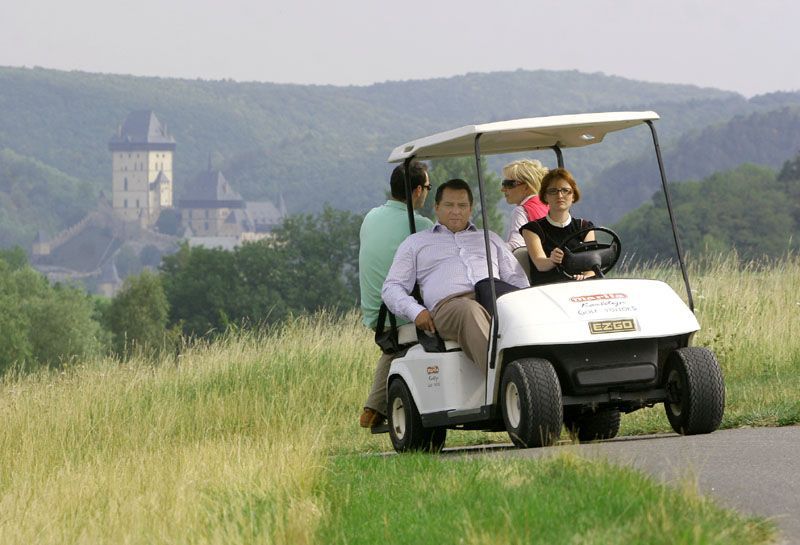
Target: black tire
(530,398)
(695,391)
(593,426)
(405,425)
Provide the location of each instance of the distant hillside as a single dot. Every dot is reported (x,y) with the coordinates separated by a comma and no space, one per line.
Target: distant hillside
(764,138)
(748,209)
(316,144)
(35,196)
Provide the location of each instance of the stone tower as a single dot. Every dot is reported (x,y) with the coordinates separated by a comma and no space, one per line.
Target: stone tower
(141,157)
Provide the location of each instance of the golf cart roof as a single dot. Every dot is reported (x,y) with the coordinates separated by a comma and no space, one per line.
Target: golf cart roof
(564,131)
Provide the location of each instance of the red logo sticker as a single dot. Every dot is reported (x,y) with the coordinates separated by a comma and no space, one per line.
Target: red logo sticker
(597,297)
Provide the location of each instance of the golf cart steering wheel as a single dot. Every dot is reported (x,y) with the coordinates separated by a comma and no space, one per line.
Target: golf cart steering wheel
(595,256)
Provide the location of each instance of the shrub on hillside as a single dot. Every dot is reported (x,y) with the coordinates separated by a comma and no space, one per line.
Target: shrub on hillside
(137,316)
(42,324)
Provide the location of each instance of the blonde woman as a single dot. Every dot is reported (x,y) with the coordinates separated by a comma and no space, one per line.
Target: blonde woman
(520,187)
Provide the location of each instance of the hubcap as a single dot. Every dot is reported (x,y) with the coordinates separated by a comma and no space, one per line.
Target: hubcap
(398,418)
(513,411)
(674,392)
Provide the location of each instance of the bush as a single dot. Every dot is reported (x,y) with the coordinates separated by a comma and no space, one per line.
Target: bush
(137,316)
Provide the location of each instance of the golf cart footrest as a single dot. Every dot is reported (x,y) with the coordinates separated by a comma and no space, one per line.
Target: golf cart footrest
(383,428)
(456,417)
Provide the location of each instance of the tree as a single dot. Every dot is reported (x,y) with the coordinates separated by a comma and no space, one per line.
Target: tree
(42,324)
(321,254)
(62,327)
(745,209)
(790,172)
(310,262)
(137,316)
(15,257)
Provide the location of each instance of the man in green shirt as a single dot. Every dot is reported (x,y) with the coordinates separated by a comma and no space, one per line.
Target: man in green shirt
(382,231)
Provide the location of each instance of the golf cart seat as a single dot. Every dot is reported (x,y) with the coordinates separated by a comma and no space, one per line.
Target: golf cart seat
(407,335)
(521,254)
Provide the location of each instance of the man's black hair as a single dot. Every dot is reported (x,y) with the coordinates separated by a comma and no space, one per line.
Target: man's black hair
(398,180)
(457,184)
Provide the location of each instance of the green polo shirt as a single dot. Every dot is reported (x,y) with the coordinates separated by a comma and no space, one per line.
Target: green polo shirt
(384,228)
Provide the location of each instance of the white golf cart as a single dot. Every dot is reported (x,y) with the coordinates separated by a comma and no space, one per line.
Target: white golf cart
(573,353)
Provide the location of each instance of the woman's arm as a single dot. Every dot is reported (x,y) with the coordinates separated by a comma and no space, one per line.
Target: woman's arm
(518,219)
(541,261)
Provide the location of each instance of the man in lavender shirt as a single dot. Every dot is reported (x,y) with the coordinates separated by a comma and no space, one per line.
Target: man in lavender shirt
(447,261)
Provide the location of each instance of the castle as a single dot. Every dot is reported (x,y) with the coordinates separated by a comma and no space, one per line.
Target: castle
(128,232)
(141,168)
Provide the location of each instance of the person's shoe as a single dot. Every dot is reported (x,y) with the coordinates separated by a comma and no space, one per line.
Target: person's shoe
(370,418)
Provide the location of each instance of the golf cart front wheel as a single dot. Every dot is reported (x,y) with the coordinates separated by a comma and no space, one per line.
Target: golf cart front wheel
(695,391)
(530,398)
(405,425)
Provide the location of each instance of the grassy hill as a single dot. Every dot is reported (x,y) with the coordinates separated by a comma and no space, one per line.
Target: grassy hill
(253,439)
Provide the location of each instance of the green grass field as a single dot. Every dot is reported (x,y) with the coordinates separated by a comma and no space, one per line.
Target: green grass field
(254,439)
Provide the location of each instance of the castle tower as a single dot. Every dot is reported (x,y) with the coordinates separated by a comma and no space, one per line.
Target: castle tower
(141,157)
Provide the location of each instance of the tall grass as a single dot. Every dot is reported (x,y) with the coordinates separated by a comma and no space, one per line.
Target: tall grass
(226,441)
(244,440)
(749,312)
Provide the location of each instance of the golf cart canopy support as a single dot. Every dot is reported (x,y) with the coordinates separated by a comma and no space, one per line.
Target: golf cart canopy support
(536,133)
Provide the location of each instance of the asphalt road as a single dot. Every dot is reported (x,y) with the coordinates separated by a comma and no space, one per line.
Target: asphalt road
(752,470)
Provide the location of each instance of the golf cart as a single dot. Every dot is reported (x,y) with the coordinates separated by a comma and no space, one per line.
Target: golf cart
(575,353)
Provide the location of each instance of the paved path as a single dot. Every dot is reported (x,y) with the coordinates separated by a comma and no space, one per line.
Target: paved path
(752,470)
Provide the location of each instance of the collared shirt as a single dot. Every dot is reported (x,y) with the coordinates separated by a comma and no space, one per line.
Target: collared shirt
(383,229)
(445,263)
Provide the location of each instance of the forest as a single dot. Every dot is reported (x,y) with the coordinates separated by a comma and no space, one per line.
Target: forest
(291,141)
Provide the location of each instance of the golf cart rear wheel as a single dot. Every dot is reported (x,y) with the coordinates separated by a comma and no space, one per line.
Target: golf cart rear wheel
(405,425)
(593,426)
(695,391)
(530,398)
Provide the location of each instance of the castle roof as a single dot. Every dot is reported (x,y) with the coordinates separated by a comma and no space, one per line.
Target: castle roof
(142,130)
(160,179)
(264,215)
(210,189)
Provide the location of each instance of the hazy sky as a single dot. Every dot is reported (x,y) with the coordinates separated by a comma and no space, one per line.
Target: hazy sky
(746,46)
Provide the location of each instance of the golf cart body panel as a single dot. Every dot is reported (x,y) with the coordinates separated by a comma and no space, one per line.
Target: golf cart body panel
(425,373)
(592,311)
(562,131)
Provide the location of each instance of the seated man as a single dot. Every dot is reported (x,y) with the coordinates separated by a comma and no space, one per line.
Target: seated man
(447,261)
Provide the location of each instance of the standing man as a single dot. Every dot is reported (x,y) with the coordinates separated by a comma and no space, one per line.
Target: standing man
(382,231)
(447,261)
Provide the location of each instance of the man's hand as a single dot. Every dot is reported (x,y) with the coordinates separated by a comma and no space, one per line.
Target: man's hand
(424,321)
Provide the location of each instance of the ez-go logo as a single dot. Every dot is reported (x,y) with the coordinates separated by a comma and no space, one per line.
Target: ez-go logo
(612,326)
